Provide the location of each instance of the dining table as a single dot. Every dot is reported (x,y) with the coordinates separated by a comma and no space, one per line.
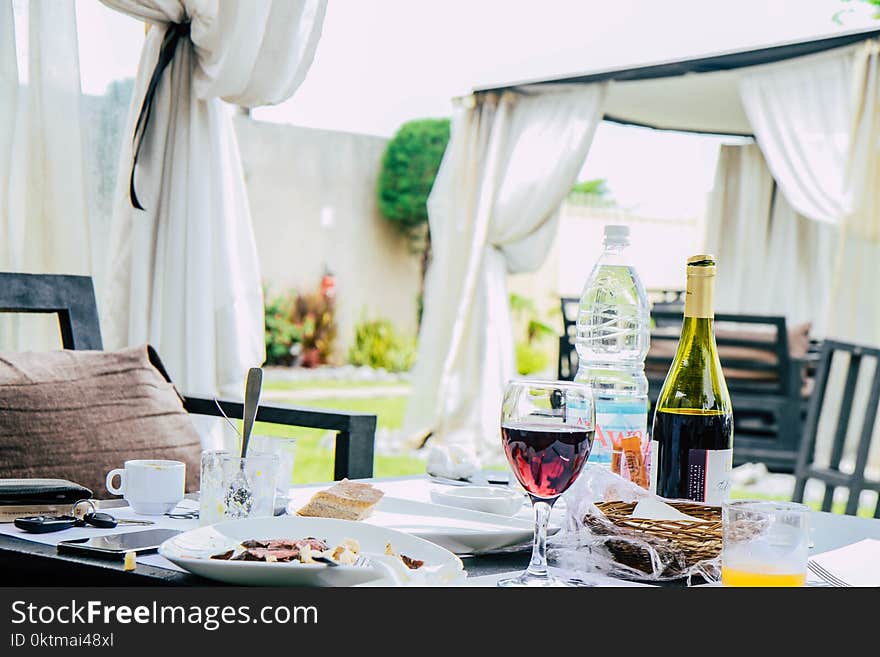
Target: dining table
(33,559)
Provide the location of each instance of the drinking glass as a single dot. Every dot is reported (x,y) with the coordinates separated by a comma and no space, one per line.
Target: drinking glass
(285,449)
(547,430)
(220,475)
(765,543)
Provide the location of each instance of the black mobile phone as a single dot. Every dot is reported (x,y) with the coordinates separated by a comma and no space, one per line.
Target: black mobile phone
(114,546)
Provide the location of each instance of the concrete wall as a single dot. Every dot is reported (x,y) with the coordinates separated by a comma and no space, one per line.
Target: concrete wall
(313,202)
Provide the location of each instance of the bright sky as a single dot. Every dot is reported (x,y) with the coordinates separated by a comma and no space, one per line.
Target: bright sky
(383,62)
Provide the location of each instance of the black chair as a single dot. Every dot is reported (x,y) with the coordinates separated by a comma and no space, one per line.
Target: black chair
(567,365)
(72,298)
(764,380)
(832,475)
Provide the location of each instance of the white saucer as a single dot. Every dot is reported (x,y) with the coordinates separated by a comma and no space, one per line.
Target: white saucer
(488,499)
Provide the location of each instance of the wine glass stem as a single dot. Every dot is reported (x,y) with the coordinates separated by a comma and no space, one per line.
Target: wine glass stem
(538,564)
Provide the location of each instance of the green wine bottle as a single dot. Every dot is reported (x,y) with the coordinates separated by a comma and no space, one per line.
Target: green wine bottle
(692,435)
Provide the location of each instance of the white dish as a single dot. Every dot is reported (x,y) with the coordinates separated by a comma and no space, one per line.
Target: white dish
(461,531)
(488,499)
(192,551)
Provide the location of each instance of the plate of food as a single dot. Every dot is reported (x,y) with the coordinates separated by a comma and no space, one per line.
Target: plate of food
(462,531)
(300,551)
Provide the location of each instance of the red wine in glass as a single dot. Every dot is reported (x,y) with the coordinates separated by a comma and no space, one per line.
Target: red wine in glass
(546,459)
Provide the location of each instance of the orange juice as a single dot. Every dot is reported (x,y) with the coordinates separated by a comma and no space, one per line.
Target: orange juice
(735,577)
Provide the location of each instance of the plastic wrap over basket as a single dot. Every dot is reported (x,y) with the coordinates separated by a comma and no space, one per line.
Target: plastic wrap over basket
(602,536)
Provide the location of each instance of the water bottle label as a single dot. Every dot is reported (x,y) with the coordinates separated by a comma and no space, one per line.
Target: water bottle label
(576,410)
(615,422)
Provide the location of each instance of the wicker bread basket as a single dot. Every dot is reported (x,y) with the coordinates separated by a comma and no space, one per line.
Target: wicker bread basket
(681,544)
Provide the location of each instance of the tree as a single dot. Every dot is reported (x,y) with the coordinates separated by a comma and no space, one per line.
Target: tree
(839,13)
(409,167)
(594,193)
(597,187)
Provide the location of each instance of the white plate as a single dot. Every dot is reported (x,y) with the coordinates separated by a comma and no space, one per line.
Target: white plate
(461,531)
(192,550)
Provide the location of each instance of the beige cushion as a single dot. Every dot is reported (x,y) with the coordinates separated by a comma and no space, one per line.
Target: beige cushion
(78,414)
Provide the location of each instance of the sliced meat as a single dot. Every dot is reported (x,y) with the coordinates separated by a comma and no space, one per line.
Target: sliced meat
(412,564)
(281,549)
(225,556)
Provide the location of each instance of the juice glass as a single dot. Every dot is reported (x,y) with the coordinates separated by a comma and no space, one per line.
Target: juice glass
(765,543)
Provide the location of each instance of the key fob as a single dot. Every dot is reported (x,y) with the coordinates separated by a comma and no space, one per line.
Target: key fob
(45,524)
(100,520)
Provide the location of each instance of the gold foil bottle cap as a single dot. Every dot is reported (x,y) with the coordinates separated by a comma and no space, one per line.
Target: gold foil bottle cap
(701,265)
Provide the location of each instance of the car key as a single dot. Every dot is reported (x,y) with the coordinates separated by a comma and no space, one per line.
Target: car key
(99,520)
(46,524)
(106,521)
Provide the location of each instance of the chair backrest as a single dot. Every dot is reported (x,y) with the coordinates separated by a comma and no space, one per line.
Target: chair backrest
(754,351)
(831,474)
(568,359)
(72,298)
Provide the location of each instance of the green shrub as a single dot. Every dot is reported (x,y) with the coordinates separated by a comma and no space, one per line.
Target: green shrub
(300,329)
(282,331)
(378,344)
(597,187)
(533,353)
(315,313)
(530,358)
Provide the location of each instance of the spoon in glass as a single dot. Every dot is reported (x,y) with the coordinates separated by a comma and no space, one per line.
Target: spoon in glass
(239,500)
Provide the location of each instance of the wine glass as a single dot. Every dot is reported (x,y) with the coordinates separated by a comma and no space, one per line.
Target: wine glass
(547,430)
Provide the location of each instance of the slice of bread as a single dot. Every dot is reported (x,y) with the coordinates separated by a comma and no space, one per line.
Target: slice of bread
(346,500)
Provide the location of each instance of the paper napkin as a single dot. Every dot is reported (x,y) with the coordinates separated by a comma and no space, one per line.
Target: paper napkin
(653,509)
(857,564)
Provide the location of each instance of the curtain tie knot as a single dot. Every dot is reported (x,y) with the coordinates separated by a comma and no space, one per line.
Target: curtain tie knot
(173,34)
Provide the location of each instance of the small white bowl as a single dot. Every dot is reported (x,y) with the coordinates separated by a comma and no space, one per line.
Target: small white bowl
(488,499)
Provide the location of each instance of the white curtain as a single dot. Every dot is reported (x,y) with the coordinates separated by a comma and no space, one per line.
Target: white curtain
(493,210)
(817,121)
(44,219)
(184,271)
(772,260)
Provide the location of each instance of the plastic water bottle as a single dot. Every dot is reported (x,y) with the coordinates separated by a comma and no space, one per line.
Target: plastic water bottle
(613,334)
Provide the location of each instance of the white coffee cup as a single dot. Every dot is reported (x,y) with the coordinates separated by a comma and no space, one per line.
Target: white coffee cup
(151,487)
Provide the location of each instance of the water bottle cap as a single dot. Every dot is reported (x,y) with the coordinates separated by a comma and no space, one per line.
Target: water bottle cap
(616,234)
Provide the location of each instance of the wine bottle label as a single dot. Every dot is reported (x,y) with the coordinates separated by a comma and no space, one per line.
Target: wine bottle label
(652,469)
(708,475)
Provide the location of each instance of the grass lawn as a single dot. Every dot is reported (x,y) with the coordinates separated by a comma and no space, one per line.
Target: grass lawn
(315,464)
(332,384)
(836,507)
